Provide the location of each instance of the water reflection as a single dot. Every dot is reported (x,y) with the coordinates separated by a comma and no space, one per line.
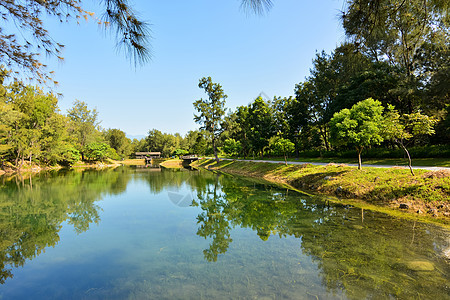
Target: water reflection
(365,254)
(359,254)
(33,208)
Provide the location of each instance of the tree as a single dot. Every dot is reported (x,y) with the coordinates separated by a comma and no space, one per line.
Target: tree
(313,97)
(99,152)
(261,123)
(118,141)
(24,53)
(84,124)
(280,108)
(240,127)
(281,146)
(211,110)
(402,128)
(232,147)
(395,31)
(360,126)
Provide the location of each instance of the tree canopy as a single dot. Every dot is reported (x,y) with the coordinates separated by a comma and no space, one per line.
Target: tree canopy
(212,110)
(359,126)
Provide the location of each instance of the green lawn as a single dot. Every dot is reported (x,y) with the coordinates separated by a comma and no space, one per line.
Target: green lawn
(428,162)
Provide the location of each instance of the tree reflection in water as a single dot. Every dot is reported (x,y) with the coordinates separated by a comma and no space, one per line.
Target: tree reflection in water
(360,253)
(363,253)
(33,208)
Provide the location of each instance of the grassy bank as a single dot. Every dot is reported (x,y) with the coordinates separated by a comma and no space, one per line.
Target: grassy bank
(419,162)
(388,189)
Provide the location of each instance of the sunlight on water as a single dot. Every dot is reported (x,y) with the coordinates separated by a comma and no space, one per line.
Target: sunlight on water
(154,234)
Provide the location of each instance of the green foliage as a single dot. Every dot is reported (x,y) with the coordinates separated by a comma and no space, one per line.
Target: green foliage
(261,124)
(117,140)
(84,125)
(179,152)
(360,126)
(232,147)
(166,143)
(281,146)
(69,156)
(212,110)
(99,152)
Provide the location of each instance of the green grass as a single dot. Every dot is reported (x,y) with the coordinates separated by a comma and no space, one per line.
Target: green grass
(422,162)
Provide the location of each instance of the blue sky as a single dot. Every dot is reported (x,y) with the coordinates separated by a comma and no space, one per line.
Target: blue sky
(246,54)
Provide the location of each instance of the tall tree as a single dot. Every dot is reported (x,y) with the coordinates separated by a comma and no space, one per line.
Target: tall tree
(118,141)
(395,31)
(211,110)
(261,124)
(84,124)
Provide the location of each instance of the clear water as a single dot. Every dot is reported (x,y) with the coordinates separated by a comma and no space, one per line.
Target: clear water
(134,233)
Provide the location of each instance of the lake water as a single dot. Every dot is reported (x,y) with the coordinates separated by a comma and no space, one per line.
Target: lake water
(147,233)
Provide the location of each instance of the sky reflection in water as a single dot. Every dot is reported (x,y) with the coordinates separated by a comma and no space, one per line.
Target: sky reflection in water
(149,233)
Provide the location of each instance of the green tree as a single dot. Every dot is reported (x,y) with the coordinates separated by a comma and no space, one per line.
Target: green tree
(99,152)
(240,130)
(395,31)
(281,146)
(402,128)
(211,111)
(232,147)
(261,125)
(118,141)
(360,126)
(30,122)
(84,125)
(280,108)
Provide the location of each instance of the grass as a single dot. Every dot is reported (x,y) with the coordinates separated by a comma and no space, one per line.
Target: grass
(425,194)
(132,162)
(422,162)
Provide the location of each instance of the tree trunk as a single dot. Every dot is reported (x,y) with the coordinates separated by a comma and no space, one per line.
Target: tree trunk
(285,160)
(215,150)
(359,157)
(409,158)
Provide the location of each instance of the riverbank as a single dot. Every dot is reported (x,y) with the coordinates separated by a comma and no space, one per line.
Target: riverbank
(393,190)
(34,168)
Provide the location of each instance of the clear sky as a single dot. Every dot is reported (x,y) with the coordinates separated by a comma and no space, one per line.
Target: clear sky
(246,54)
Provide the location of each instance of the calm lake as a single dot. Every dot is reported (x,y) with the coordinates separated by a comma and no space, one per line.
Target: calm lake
(150,233)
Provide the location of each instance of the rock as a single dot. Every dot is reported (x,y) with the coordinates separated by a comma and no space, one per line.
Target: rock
(358,226)
(339,190)
(404,206)
(432,211)
(420,265)
(446,253)
(328,178)
(420,212)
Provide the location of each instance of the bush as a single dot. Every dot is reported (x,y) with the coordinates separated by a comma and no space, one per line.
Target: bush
(98,151)
(69,157)
(179,152)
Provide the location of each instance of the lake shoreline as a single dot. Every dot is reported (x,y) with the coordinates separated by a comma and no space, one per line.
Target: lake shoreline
(391,190)
(34,169)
